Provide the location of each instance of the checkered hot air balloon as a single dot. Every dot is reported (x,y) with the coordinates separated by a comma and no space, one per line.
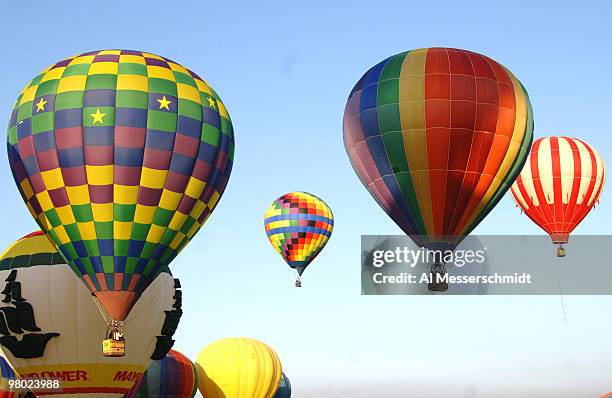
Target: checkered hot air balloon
(437,135)
(120,156)
(559,185)
(298,225)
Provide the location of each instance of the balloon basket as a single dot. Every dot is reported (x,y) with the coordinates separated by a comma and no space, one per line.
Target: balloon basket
(113,348)
(298,282)
(560,251)
(114,344)
(436,283)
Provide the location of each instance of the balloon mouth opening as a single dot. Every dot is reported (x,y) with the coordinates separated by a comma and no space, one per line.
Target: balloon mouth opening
(117,304)
(438,243)
(559,239)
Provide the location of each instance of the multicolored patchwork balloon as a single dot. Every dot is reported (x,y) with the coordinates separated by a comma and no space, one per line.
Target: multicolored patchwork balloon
(298,225)
(559,185)
(174,376)
(120,156)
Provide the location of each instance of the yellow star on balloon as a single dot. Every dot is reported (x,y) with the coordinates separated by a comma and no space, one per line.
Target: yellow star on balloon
(211,102)
(40,106)
(98,117)
(163,103)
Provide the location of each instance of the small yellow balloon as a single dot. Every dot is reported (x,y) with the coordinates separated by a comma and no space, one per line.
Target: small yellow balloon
(238,368)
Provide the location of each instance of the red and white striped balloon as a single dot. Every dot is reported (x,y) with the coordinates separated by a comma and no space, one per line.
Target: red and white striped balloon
(559,184)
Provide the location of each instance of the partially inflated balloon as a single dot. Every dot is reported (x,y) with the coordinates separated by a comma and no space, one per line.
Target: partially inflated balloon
(51,328)
(238,368)
(6,373)
(174,376)
(284,389)
(559,185)
(437,135)
(298,225)
(120,156)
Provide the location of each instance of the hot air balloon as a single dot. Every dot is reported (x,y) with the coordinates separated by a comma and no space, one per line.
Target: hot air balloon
(559,185)
(437,135)
(284,389)
(51,328)
(174,376)
(238,368)
(298,225)
(120,156)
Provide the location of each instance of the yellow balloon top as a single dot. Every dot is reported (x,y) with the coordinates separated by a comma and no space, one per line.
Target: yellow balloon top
(34,243)
(238,368)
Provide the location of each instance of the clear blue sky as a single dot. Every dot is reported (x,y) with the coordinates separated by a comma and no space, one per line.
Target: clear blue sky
(284,69)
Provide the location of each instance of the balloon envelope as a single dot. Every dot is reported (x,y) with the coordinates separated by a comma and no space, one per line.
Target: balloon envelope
(120,156)
(284,389)
(298,225)
(437,135)
(560,184)
(174,376)
(6,373)
(51,326)
(238,368)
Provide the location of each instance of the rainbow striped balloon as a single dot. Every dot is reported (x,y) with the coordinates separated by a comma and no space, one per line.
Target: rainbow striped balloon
(175,376)
(437,135)
(298,225)
(6,373)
